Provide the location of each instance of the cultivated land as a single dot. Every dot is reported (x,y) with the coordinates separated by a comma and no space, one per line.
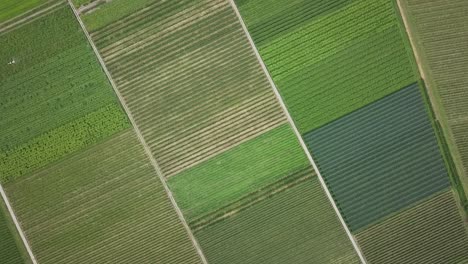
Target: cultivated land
(105,204)
(430,232)
(11,249)
(79,180)
(12,8)
(204,106)
(55,98)
(297,225)
(329,59)
(440,31)
(190,79)
(380,158)
(238,172)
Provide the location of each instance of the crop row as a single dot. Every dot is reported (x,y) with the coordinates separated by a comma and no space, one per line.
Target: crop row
(105,204)
(380,158)
(431,232)
(441,31)
(224,101)
(297,225)
(61,141)
(337,61)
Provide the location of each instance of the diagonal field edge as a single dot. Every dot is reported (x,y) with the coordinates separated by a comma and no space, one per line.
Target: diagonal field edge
(140,138)
(298,134)
(17,225)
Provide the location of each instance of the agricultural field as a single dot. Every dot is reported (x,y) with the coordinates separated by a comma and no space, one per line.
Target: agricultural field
(11,249)
(324,65)
(12,8)
(71,106)
(281,229)
(440,31)
(104,204)
(75,173)
(380,158)
(431,232)
(209,116)
(194,92)
(237,172)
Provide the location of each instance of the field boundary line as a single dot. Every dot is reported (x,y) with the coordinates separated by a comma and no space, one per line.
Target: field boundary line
(17,225)
(141,139)
(296,131)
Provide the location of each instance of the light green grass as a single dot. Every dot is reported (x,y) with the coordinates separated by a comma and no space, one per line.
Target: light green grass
(238,172)
(295,226)
(110,12)
(12,8)
(103,205)
(11,249)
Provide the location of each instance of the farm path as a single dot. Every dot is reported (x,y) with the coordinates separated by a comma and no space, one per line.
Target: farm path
(91,6)
(140,137)
(17,225)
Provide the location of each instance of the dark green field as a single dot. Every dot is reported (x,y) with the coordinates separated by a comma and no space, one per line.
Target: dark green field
(11,249)
(381,158)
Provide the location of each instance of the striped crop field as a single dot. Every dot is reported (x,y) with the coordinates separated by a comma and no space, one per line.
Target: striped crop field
(296,225)
(78,179)
(237,172)
(380,158)
(72,104)
(12,250)
(10,9)
(329,58)
(440,31)
(104,204)
(207,112)
(190,79)
(431,232)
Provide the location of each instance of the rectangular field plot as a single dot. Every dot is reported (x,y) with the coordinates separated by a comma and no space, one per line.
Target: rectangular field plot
(431,232)
(190,79)
(329,58)
(380,158)
(9,9)
(296,225)
(440,29)
(54,97)
(236,173)
(103,205)
(11,249)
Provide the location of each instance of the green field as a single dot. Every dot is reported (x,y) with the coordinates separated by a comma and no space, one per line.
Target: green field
(210,91)
(55,97)
(440,31)
(11,249)
(12,8)
(380,158)
(110,12)
(106,200)
(237,172)
(297,225)
(431,232)
(335,59)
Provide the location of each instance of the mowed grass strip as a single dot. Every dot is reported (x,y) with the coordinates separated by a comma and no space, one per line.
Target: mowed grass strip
(380,158)
(190,79)
(440,29)
(105,204)
(431,232)
(11,251)
(55,97)
(237,172)
(297,225)
(333,58)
